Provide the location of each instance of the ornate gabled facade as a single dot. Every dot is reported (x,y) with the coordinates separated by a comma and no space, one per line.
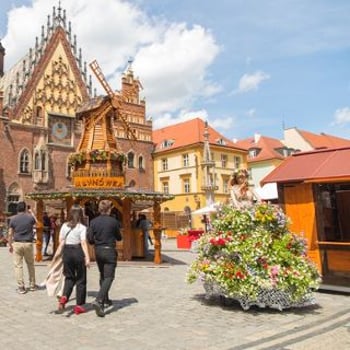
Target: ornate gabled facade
(39,98)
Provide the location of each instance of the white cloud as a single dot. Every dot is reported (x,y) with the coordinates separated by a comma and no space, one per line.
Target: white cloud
(223,124)
(249,82)
(171,59)
(168,119)
(251,112)
(173,69)
(342,116)
(220,124)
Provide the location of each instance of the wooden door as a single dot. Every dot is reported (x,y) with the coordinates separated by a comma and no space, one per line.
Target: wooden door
(300,208)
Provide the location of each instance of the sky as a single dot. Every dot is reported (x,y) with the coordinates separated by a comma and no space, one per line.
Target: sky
(245,66)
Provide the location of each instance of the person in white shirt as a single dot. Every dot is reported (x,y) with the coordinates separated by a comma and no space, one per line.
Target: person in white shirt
(75,259)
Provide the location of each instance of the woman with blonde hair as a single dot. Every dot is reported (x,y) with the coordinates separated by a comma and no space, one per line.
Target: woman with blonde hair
(75,259)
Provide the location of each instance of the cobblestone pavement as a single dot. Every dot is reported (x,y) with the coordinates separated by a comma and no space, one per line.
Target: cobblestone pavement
(154,308)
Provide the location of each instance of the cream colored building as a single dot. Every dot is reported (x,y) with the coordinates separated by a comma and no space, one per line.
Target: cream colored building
(193,162)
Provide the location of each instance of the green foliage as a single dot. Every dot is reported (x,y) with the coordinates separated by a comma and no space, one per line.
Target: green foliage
(96,155)
(252,249)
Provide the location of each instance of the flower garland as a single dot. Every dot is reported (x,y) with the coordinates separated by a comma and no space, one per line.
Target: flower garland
(95,155)
(250,255)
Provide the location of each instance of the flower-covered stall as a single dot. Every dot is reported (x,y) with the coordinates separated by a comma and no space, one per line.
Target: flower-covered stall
(251,256)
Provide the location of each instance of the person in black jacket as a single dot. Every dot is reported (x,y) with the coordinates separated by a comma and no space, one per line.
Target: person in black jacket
(104,231)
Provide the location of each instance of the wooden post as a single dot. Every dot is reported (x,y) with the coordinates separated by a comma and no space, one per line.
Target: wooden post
(39,230)
(127,247)
(157,232)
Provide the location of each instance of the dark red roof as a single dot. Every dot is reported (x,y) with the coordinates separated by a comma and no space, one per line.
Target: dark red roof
(313,167)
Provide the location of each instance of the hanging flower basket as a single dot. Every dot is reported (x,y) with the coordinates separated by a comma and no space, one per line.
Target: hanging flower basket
(76,158)
(95,156)
(252,257)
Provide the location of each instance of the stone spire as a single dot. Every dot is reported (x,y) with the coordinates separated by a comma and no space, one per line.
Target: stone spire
(208,169)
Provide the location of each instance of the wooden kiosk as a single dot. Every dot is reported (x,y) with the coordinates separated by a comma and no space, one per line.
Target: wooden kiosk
(97,171)
(314,191)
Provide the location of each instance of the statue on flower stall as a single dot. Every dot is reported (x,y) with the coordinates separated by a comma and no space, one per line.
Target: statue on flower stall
(241,195)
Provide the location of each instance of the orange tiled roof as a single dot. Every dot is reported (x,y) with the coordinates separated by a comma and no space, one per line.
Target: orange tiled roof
(313,166)
(267,147)
(188,133)
(323,140)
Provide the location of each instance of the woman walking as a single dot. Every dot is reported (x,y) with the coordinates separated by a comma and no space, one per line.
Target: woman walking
(75,259)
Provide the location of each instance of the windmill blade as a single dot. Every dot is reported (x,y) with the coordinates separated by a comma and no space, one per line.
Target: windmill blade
(101,78)
(129,132)
(115,99)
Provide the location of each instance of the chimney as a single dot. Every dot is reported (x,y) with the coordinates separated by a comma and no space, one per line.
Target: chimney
(2,54)
(256,137)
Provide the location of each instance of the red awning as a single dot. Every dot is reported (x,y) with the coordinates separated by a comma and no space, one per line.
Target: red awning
(315,166)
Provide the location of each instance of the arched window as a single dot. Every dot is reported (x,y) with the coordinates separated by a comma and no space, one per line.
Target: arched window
(24,162)
(37,161)
(141,165)
(14,194)
(40,160)
(68,170)
(187,210)
(131,157)
(43,161)
(132,183)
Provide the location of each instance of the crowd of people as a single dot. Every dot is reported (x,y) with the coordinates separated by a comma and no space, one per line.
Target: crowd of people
(71,259)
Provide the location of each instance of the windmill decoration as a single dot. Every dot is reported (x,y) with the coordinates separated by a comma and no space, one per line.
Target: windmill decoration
(98,161)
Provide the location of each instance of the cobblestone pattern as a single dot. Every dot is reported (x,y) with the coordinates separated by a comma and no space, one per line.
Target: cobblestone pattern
(154,308)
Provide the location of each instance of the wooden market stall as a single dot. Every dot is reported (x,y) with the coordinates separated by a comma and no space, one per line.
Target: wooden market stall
(97,169)
(124,201)
(314,191)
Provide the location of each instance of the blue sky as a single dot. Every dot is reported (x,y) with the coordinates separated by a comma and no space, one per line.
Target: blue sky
(245,66)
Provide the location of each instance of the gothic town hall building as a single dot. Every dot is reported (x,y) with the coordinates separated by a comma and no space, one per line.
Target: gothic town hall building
(39,97)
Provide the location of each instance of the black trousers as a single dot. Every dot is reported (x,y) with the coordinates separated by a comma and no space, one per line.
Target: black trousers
(47,236)
(106,258)
(74,270)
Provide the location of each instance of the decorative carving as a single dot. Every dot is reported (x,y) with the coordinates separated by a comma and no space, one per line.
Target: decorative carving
(27,116)
(58,92)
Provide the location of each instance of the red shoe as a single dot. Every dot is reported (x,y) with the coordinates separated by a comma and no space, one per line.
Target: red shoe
(62,304)
(78,309)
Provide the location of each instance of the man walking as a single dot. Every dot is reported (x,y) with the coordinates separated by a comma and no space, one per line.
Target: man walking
(103,232)
(20,241)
